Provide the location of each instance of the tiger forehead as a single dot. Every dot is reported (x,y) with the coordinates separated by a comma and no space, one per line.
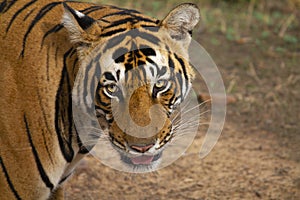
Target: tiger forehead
(138,66)
(133,56)
(128,22)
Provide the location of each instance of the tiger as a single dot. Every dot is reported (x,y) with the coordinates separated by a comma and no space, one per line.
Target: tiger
(140,63)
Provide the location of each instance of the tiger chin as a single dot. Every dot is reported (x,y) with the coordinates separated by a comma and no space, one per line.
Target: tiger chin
(134,72)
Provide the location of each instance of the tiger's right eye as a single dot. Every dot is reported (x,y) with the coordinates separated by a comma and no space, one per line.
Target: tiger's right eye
(161,84)
(112,89)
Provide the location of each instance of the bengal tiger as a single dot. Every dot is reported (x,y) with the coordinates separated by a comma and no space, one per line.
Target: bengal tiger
(141,62)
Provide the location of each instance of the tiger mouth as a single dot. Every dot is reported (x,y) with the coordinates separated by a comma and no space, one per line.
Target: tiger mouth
(143,160)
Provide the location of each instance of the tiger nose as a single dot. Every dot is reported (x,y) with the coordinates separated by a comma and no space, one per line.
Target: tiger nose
(140,148)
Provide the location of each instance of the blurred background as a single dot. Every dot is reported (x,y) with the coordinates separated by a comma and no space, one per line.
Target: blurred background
(256,46)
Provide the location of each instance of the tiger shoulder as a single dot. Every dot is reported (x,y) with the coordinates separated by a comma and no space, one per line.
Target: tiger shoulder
(119,55)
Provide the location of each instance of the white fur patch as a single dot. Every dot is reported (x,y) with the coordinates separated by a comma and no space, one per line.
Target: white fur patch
(79,14)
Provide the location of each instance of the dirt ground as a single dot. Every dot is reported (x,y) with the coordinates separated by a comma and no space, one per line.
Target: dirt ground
(258,153)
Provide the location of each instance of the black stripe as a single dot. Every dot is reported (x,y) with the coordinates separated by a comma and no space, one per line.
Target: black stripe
(70,116)
(183,67)
(73,52)
(118,74)
(86,82)
(48,63)
(54,29)
(171,101)
(123,12)
(99,108)
(128,67)
(70,122)
(97,58)
(132,33)
(87,78)
(155,91)
(142,19)
(147,51)
(152,71)
(154,64)
(63,112)
(151,28)
(119,55)
(179,79)
(149,37)
(98,95)
(75,67)
(171,63)
(165,92)
(91,9)
(109,76)
(141,63)
(111,120)
(62,122)
(47,149)
(133,48)
(88,9)
(19,12)
(46,124)
(37,18)
(106,21)
(120,22)
(110,33)
(38,163)
(132,19)
(28,14)
(184,73)
(64,179)
(56,55)
(127,10)
(162,71)
(11,186)
(114,42)
(89,67)
(4,7)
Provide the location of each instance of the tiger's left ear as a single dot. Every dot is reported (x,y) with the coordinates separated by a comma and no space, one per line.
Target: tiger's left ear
(82,28)
(181,21)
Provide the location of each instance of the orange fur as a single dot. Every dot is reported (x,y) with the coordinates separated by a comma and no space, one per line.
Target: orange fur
(39,60)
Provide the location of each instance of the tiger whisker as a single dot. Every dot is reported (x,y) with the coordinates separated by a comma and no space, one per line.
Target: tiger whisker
(186,120)
(197,106)
(202,113)
(185,114)
(192,125)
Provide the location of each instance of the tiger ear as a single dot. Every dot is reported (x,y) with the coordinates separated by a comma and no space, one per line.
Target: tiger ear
(181,21)
(82,28)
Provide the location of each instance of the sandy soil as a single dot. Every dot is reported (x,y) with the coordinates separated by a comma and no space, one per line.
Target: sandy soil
(242,165)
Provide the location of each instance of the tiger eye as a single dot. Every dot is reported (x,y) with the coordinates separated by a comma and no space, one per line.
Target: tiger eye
(161,83)
(111,88)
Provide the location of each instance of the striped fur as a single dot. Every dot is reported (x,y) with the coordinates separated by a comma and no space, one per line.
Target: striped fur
(44,45)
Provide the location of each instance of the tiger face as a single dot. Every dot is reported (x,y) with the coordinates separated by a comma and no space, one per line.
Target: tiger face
(142,75)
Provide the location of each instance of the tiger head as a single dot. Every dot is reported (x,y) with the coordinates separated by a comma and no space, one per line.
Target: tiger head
(143,74)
